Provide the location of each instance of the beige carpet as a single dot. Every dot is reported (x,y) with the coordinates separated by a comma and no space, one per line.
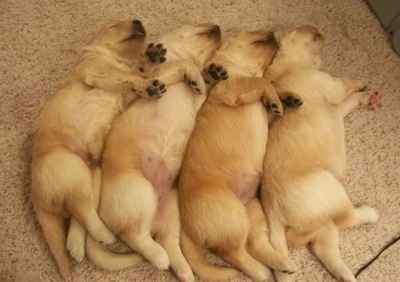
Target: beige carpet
(39,41)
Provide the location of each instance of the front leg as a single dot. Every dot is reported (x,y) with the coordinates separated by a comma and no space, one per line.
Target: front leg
(181,71)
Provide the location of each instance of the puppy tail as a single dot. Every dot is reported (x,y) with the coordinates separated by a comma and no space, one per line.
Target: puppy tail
(195,256)
(108,260)
(53,228)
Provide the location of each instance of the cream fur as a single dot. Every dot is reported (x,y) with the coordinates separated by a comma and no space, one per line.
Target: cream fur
(223,165)
(70,132)
(143,155)
(304,170)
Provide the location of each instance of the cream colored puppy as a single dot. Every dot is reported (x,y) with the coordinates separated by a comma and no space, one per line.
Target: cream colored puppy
(223,165)
(304,170)
(70,131)
(143,155)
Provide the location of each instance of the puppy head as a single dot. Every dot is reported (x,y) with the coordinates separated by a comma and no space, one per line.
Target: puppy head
(248,52)
(301,46)
(193,42)
(127,39)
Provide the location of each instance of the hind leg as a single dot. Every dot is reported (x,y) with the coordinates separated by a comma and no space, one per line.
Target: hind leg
(357,216)
(133,222)
(76,240)
(239,257)
(168,228)
(368,99)
(278,241)
(76,232)
(258,242)
(325,246)
(83,202)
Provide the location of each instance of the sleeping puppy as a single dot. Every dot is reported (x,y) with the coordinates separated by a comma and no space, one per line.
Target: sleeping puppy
(302,189)
(143,155)
(70,131)
(223,165)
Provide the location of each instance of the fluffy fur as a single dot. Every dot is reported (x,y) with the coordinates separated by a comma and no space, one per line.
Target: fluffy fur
(223,165)
(304,170)
(143,155)
(70,131)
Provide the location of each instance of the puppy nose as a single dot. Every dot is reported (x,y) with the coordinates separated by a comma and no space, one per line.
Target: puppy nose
(216,29)
(137,22)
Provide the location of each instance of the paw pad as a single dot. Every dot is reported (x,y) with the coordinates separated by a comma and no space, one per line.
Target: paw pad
(156,53)
(217,72)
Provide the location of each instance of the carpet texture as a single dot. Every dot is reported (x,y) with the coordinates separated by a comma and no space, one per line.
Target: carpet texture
(39,41)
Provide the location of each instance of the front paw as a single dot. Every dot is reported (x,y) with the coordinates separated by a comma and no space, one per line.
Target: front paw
(291,100)
(214,73)
(156,53)
(197,87)
(155,89)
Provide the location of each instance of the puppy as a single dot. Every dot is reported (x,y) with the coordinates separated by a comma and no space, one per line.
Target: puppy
(223,165)
(143,155)
(302,188)
(70,131)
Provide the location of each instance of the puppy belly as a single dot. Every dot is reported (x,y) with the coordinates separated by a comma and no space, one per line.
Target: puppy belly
(245,185)
(155,170)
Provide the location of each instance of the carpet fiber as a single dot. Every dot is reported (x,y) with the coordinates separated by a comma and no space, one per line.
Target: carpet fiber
(39,41)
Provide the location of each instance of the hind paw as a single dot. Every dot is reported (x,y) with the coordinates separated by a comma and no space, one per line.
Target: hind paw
(370,99)
(76,250)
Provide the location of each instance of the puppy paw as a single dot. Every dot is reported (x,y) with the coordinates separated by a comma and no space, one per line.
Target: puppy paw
(197,86)
(214,73)
(368,214)
(103,236)
(156,53)
(370,99)
(290,99)
(76,249)
(155,89)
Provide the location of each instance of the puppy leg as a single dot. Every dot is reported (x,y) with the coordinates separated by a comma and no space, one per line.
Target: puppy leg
(326,247)
(76,232)
(357,216)
(352,85)
(359,99)
(112,79)
(168,229)
(278,241)
(258,243)
(239,257)
(181,70)
(128,205)
(76,240)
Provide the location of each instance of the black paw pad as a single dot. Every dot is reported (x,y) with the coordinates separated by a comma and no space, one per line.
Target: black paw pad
(156,53)
(217,72)
(292,102)
(156,89)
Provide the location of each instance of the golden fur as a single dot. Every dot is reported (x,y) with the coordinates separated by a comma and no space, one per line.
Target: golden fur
(302,189)
(143,155)
(223,165)
(70,131)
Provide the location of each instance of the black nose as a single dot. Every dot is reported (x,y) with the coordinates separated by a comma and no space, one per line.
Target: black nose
(216,29)
(137,22)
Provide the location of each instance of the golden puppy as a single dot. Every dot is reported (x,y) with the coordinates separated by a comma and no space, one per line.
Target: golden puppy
(304,170)
(70,131)
(143,155)
(223,165)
